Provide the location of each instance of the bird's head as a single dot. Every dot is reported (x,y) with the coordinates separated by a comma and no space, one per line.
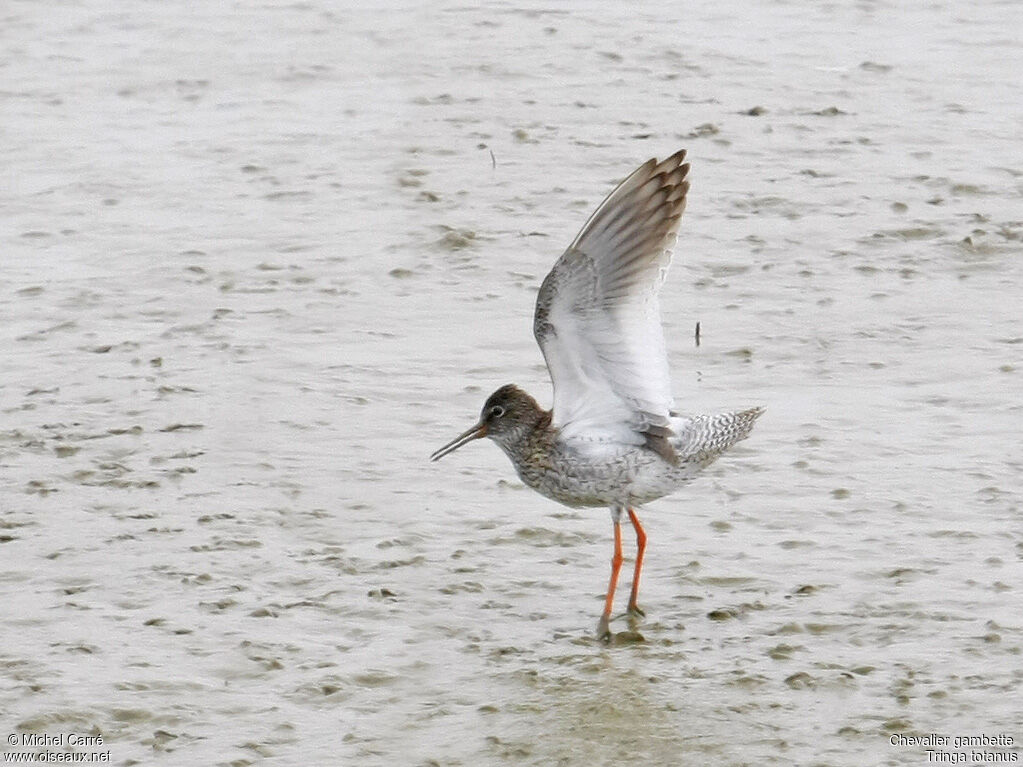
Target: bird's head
(508,415)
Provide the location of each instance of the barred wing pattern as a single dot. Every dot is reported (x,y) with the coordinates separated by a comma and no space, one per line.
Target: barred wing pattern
(597,317)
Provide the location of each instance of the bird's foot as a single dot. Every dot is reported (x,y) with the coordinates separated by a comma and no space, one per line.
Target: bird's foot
(604,629)
(635,613)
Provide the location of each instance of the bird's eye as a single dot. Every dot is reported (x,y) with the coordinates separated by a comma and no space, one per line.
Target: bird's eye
(496,411)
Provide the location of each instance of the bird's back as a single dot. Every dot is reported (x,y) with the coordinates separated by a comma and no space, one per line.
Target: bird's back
(577,472)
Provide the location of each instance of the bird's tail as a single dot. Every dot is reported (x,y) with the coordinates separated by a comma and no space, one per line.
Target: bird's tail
(705,437)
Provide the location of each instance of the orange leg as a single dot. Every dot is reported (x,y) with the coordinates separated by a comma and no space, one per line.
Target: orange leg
(640,548)
(604,626)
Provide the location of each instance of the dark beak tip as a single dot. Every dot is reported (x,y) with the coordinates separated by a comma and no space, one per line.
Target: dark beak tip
(476,432)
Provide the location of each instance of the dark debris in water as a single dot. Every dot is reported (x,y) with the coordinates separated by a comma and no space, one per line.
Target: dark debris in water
(628,637)
(782,651)
(744,353)
(456,239)
(871,66)
(702,131)
(738,611)
(800,681)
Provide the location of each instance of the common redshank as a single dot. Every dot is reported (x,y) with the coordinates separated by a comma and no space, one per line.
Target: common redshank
(612,437)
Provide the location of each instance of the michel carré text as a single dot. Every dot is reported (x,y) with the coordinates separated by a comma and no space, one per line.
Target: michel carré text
(60,739)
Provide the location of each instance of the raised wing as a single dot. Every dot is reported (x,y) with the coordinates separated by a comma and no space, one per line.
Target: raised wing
(598,319)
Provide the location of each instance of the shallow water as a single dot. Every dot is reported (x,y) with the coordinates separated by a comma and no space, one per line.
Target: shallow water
(260,260)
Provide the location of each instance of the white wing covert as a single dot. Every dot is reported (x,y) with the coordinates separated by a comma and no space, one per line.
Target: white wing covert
(597,317)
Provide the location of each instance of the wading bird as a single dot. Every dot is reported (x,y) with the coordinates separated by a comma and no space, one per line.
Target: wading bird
(612,437)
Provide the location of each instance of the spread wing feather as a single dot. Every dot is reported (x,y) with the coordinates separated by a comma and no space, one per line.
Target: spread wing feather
(597,316)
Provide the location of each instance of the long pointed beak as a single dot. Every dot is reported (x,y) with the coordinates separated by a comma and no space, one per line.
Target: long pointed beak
(476,432)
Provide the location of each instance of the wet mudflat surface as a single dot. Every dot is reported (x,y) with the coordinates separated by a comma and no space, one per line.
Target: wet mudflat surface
(260,260)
